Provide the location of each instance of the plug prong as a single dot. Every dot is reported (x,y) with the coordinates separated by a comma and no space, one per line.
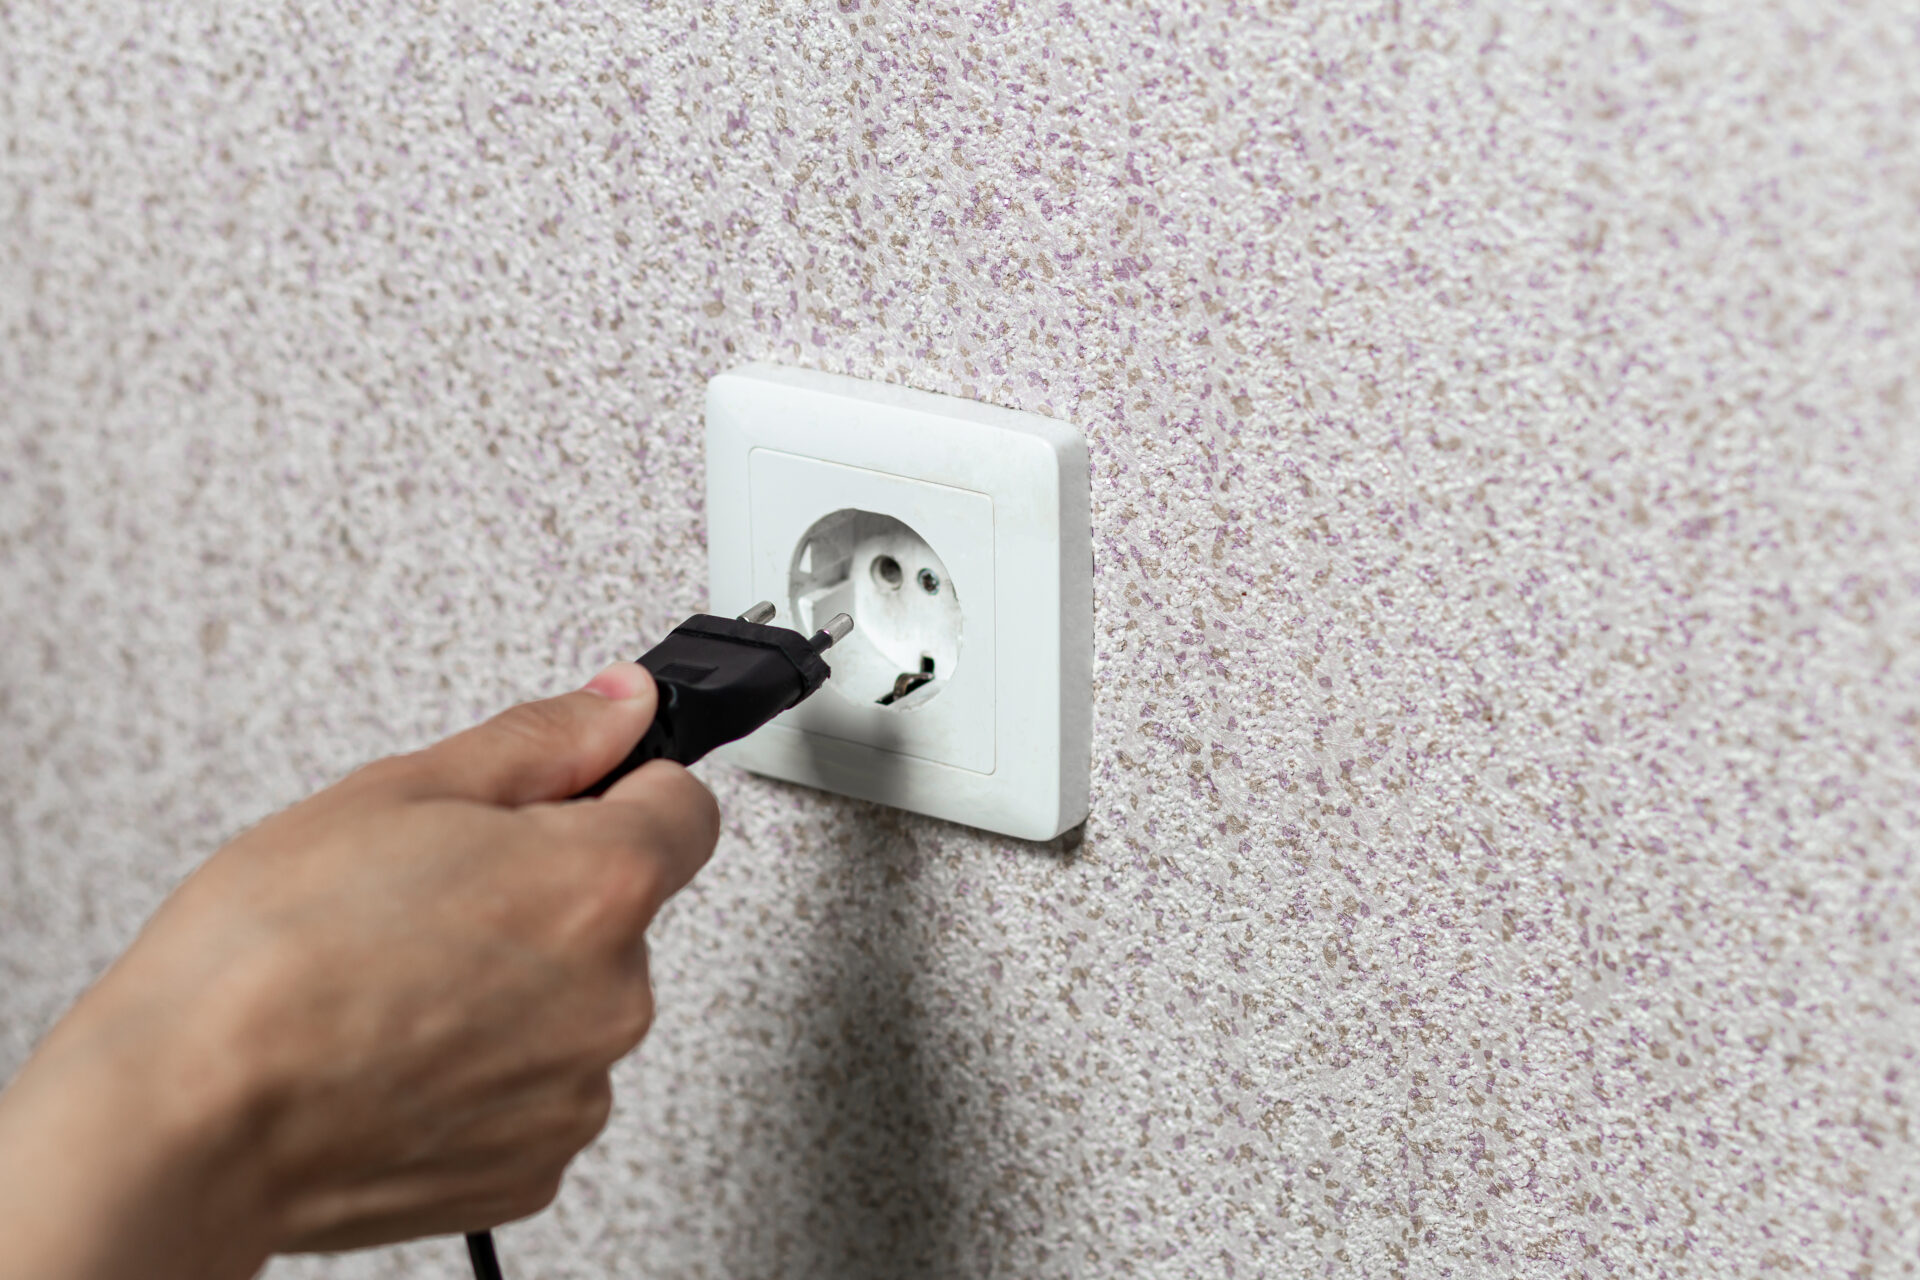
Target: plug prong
(838,627)
(762,612)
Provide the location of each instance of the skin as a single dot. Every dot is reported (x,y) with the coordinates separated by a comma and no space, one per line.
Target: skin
(387,1012)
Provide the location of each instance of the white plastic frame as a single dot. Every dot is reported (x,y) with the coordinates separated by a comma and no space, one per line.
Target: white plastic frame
(1033,470)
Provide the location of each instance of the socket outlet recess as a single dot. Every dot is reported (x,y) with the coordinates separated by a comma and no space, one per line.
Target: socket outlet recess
(958,536)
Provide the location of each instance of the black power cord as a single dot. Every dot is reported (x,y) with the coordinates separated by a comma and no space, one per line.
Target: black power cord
(486,1263)
(718,679)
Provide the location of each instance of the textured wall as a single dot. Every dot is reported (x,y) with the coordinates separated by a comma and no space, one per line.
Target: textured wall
(1508,739)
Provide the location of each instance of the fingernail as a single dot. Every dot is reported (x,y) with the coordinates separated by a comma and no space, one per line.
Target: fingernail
(620,681)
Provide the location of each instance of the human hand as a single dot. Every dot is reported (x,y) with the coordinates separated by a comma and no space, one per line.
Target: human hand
(386,1012)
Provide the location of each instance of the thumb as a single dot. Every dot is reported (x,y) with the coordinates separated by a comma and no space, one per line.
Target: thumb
(546,750)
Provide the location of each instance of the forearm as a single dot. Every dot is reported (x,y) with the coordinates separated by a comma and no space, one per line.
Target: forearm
(111,1170)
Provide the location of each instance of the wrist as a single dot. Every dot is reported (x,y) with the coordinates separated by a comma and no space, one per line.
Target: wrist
(123,1152)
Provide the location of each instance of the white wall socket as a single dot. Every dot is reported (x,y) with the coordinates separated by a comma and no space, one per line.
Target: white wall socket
(958,535)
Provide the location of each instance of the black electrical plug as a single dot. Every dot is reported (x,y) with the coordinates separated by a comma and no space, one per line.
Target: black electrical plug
(718,679)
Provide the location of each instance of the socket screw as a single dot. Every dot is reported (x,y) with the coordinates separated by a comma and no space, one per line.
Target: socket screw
(929,581)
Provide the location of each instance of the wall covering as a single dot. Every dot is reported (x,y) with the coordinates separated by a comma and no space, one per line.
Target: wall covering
(1505,474)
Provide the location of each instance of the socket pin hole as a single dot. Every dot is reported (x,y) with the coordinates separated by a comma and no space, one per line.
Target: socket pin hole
(887,572)
(929,581)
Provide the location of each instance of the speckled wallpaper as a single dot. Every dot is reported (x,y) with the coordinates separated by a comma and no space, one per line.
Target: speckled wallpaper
(1507,774)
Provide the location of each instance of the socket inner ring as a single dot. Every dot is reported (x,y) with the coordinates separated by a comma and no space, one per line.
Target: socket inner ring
(907,618)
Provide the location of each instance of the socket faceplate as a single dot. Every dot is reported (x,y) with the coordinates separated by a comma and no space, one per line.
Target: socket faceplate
(992,724)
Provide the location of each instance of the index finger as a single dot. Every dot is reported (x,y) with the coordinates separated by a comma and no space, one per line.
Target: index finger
(664,818)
